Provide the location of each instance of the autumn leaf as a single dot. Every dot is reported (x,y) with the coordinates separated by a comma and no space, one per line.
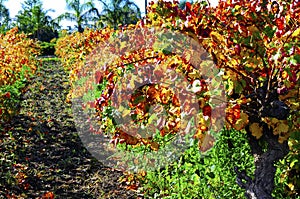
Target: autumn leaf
(296,33)
(188,6)
(207,110)
(280,23)
(256,130)
(241,122)
(282,127)
(253,29)
(154,146)
(48,195)
(218,38)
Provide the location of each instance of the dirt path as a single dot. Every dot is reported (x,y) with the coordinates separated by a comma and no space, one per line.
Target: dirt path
(41,152)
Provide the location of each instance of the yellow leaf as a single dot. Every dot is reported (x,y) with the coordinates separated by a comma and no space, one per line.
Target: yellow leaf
(221,56)
(125,112)
(274,120)
(237,7)
(132,83)
(253,29)
(281,127)
(293,163)
(287,18)
(241,122)
(296,33)
(216,37)
(199,134)
(233,62)
(194,74)
(256,130)
(291,186)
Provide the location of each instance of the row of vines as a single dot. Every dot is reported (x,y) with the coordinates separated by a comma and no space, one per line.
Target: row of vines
(255,46)
(17,65)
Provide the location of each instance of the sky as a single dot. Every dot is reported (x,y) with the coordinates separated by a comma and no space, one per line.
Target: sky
(60,7)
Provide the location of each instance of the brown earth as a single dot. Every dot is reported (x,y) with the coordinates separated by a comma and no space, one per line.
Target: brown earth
(41,153)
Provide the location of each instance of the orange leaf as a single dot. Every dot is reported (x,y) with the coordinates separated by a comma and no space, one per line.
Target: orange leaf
(48,195)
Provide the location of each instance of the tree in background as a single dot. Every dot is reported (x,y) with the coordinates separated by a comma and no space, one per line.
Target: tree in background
(33,20)
(118,12)
(80,13)
(4,17)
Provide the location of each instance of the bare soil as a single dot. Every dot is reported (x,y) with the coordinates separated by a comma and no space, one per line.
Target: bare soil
(41,153)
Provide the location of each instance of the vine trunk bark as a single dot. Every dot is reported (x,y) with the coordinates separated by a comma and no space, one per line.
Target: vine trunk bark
(262,185)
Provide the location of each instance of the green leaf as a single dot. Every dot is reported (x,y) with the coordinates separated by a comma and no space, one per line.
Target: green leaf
(247,41)
(269,31)
(166,51)
(293,163)
(239,85)
(297,58)
(253,16)
(295,135)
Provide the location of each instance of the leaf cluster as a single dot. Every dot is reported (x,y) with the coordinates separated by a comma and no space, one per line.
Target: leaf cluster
(254,44)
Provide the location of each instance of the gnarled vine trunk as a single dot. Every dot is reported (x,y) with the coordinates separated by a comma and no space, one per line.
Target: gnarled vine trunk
(262,185)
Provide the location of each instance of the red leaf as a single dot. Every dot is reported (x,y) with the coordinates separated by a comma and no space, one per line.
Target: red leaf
(7,95)
(188,6)
(207,110)
(280,23)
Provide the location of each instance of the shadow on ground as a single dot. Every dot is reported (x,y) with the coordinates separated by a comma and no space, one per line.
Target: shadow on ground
(40,150)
